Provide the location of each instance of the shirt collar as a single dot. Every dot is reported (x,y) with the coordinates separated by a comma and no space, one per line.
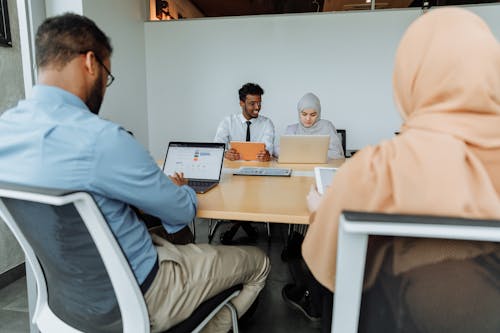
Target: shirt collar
(244,120)
(57,95)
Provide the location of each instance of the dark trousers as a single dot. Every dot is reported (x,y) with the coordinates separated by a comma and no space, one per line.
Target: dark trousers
(321,298)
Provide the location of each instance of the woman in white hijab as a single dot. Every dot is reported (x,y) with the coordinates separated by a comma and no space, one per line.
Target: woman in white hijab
(310,123)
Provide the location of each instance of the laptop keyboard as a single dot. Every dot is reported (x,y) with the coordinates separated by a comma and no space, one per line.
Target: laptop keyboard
(201,186)
(199,183)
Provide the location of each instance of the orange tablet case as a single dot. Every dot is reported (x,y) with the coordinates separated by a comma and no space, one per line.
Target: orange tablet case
(248,150)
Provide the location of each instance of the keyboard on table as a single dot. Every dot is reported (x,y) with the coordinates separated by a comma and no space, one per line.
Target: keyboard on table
(257,171)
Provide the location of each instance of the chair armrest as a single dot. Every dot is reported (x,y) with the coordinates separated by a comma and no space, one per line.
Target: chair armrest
(418,219)
(35,190)
(427,226)
(354,229)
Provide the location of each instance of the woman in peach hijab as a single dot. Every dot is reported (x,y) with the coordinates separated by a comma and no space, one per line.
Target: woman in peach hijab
(446,161)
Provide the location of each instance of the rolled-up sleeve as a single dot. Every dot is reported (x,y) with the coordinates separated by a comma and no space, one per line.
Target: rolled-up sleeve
(125,171)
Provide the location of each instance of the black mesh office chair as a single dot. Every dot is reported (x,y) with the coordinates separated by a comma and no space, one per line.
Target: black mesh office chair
(343,140)
(83,279)
(354,229)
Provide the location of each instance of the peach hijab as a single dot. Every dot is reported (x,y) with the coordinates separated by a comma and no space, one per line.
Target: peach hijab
(447,88)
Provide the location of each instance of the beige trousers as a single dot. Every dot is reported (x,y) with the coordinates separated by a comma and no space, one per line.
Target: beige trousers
(190,274)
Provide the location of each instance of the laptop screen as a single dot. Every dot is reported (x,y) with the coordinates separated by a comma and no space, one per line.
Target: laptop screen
(197,160)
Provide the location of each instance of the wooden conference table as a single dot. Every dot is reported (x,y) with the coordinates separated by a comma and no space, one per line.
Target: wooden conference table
(261,198)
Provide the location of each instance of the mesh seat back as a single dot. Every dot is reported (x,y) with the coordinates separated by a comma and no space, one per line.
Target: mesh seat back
(78,287)
(343,139)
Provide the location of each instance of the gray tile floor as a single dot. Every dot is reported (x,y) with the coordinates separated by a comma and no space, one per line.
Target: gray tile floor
(14,308)
(272,315)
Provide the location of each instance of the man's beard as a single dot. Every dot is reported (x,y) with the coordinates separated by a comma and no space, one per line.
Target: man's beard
(250,114)
(96,96)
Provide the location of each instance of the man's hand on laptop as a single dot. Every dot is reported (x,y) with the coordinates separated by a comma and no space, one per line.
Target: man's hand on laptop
(263,156)
(232,154)
(178,179)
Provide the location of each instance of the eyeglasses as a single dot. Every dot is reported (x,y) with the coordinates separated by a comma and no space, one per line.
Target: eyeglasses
(110,78)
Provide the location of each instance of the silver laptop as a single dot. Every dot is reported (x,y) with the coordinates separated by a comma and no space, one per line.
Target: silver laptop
(201,163)
(304,149)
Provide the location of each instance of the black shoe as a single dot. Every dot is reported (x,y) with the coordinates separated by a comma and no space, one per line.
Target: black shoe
(251,232)
(294,292)
(293,247)
(300,302)
(238,241)
(226,237)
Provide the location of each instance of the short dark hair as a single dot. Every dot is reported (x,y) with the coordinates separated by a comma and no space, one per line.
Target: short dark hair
(250,89)
(61,38)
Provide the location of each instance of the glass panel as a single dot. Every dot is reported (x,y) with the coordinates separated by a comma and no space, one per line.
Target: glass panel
(181,9)
(433,3)
(178,9)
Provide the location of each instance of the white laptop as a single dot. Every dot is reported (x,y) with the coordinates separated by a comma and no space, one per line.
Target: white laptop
(201,163)
(304,149)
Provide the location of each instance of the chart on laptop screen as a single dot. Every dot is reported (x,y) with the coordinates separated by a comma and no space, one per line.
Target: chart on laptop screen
(195,162)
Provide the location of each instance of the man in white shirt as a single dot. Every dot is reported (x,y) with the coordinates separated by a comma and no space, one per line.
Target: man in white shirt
(247,126)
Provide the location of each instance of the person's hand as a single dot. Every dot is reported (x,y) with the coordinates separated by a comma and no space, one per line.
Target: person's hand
(313,199)
(178,179)
(232,154)
(263,156)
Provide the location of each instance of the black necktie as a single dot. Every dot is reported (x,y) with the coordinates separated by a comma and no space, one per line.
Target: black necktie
(248,130)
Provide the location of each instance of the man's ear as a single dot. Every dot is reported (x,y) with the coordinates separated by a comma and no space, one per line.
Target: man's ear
(242,104)
(90,63)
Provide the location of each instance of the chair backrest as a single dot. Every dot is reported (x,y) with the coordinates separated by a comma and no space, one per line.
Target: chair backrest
(83,279)
(354,229)
(343,139)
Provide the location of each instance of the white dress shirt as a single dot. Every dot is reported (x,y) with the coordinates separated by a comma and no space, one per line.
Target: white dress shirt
(234,128)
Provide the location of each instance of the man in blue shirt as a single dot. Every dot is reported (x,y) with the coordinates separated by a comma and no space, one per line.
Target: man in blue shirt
(55,139)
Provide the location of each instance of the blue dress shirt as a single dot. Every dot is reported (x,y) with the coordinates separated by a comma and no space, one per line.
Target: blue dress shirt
(53,140)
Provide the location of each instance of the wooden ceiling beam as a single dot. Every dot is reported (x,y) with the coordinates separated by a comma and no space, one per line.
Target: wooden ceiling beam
(329,5)
(185,8)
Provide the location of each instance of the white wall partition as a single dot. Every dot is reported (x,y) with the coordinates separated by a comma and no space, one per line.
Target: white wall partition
(123,22)
(125,101)
(194,69)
